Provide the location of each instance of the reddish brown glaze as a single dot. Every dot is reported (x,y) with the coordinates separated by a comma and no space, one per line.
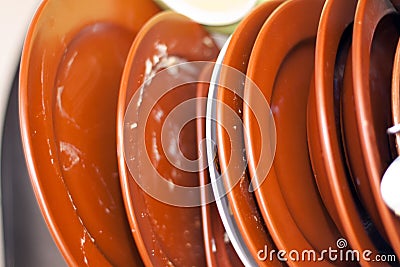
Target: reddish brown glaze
(357,165)
(218,251)
(84,109)
(336,16)
(375,38)
(70,71)
(166,234)
(242,202)
(289,199)
(323,122)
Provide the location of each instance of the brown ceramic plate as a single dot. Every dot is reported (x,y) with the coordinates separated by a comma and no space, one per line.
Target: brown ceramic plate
(219,252)
(219,191)
(335,20)
(376,232)
(336,17)
(288,197)
(242,202)
(165,234)
(71,66)
(323,121)
(352,146)
(374,44)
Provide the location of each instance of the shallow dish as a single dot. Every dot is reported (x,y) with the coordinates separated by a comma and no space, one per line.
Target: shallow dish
(71,66)
(352,149)
(287,193)
(324,121)
(375,38)
(218,188)
(242,202)
(166,233)
(219,251)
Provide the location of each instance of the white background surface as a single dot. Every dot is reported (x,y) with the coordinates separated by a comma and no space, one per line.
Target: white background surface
(15,16)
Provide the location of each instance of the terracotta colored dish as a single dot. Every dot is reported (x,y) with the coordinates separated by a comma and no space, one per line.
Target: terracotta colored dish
(71,66)
(289,199)
(376,233)
(374,43)
(352,145)
(218,188)
(242,202)
(165,234)
(324,125)
(219,252)
(336,17)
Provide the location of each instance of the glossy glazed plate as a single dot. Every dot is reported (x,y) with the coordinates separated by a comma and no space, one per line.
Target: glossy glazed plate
(218,188)
(288,198)
(70,74)
(374,43)
(353,151)
(165,232)
(27,240)
(334,49)
(219,250)
(241,200)
(324,121)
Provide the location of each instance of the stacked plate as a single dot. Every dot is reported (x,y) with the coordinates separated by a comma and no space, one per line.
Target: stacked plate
(147,144)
